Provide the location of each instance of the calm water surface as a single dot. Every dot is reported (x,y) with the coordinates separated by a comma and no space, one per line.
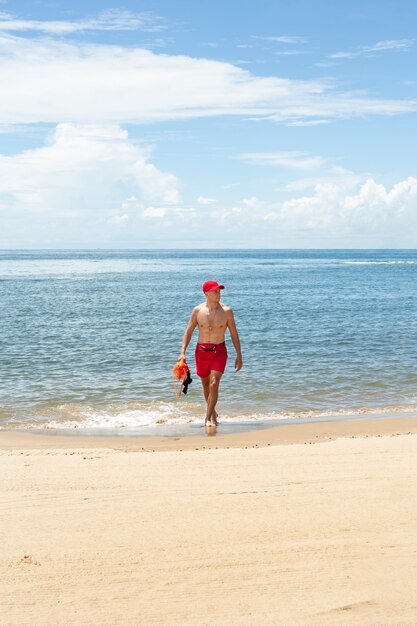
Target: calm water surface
(89,337)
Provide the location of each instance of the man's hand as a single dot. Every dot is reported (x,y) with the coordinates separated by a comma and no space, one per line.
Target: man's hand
(238,363)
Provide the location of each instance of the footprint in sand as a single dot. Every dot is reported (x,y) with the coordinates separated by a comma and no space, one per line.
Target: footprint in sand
(27,559)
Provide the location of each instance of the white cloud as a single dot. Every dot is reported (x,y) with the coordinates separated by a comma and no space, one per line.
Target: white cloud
(184,211)
(390,44)
(297,160)
(112,19)
(90,83)
(367,211)
(83,189)
(154,184)
(342,212)
(317,122)
(85,169)
(119,219)
(282,39)
(290,53)
(252,203)
(380,46)
(325,64)
(334,174)
(204,200)
(154,212)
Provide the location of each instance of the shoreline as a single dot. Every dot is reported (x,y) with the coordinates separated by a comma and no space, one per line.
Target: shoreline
(259,436)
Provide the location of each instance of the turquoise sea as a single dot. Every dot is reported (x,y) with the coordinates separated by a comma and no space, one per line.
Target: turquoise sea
(88,338)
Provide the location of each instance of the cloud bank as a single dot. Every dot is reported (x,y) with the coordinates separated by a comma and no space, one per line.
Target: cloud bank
(294,160)
(92,185)
(110,20)
(379,46)
(84,170)
(370,210)
(52,81)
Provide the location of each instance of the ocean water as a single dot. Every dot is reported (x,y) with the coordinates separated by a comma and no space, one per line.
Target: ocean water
(88,338)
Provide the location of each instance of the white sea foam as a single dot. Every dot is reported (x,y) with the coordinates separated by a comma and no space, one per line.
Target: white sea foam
(43,268)
(166,414)
(403,262)
(72,417)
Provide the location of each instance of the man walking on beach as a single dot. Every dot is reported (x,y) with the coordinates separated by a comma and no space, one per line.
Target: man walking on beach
(212,319)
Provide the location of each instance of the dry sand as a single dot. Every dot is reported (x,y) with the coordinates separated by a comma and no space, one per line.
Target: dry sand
(104,532)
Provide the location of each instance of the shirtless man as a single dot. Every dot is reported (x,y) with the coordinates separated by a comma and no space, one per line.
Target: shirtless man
(212,319)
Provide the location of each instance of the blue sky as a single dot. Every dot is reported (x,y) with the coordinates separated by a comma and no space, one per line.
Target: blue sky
(217,124)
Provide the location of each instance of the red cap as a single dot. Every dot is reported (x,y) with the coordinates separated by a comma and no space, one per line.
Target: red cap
(211,285)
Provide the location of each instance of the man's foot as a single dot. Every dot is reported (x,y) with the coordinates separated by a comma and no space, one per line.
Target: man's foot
(212,421)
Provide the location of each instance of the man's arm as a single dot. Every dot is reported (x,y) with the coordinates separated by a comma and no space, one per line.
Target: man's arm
(231,324)
(189,332)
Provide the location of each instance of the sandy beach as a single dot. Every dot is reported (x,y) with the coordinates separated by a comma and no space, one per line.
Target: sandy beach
(304,524)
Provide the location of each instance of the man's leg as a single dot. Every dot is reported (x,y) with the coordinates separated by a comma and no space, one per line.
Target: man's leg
(213,395)
(206,390)
(206,387)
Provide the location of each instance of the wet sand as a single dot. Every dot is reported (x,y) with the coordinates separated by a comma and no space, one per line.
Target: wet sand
(241,436)
(301,524)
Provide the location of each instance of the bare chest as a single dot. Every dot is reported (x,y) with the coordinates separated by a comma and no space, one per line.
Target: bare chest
(211,319)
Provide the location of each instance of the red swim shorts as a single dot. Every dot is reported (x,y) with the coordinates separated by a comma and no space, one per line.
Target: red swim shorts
(209,357)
